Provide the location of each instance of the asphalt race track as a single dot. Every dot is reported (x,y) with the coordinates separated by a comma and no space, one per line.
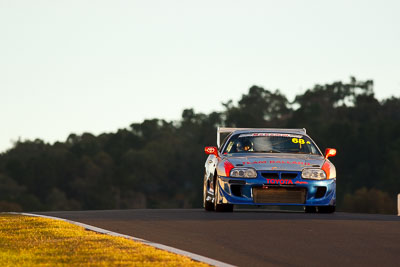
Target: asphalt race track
(259,237)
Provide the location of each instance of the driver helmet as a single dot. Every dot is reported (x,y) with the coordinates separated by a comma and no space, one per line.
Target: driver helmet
(244,145)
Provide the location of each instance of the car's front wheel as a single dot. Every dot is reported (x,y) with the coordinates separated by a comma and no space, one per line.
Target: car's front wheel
(207,200)
(220,207)
(208,205)
(310,209)
(326,209)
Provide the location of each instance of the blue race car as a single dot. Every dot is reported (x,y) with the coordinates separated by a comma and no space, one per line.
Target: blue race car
(268,167)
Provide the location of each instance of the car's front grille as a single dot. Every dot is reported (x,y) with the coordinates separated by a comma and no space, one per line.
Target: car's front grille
(280,175)
(290,195)
(270,175)
(289,175)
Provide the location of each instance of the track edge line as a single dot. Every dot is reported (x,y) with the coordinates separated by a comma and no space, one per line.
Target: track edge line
(188,254)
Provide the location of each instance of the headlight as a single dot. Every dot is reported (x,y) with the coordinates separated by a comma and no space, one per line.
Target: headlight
(243,173)
(316,174)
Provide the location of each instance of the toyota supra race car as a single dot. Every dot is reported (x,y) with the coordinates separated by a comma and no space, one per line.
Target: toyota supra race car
(268,167)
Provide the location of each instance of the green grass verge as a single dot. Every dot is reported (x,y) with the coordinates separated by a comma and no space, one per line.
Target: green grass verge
(27,241)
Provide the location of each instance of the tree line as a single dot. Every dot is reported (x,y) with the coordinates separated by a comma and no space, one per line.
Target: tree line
(160,164)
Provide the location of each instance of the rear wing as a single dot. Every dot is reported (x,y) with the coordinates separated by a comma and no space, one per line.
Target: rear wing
(221,130)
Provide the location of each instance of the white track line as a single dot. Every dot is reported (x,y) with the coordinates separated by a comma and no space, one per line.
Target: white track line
(193,256)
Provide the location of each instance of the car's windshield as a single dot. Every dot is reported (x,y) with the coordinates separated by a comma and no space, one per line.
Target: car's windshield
(270,143)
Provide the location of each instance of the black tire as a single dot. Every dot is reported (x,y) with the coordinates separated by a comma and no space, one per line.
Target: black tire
(220,207)
(310,209)
(208,205)
(223,207)
(326,209)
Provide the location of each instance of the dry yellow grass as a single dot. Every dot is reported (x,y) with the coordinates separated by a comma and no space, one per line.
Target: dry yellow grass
(27,241)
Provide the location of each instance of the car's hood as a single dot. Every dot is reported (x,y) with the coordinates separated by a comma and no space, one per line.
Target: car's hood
(283,161)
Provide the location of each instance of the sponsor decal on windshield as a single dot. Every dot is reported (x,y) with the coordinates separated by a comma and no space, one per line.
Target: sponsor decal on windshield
(271,134)
(276,162)
(300,141)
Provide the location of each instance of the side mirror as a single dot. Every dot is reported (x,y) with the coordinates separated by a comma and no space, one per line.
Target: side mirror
(330,152)
(211,150)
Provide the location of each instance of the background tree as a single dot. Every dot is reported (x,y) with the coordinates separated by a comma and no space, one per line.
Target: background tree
(160,164)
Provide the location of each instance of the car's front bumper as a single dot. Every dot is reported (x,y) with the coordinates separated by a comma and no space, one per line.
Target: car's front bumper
(240,191)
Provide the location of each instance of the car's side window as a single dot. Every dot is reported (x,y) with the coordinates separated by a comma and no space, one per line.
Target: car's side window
(229,146)
(223,142)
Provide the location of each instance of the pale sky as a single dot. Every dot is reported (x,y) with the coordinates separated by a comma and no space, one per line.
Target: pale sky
(97,66)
